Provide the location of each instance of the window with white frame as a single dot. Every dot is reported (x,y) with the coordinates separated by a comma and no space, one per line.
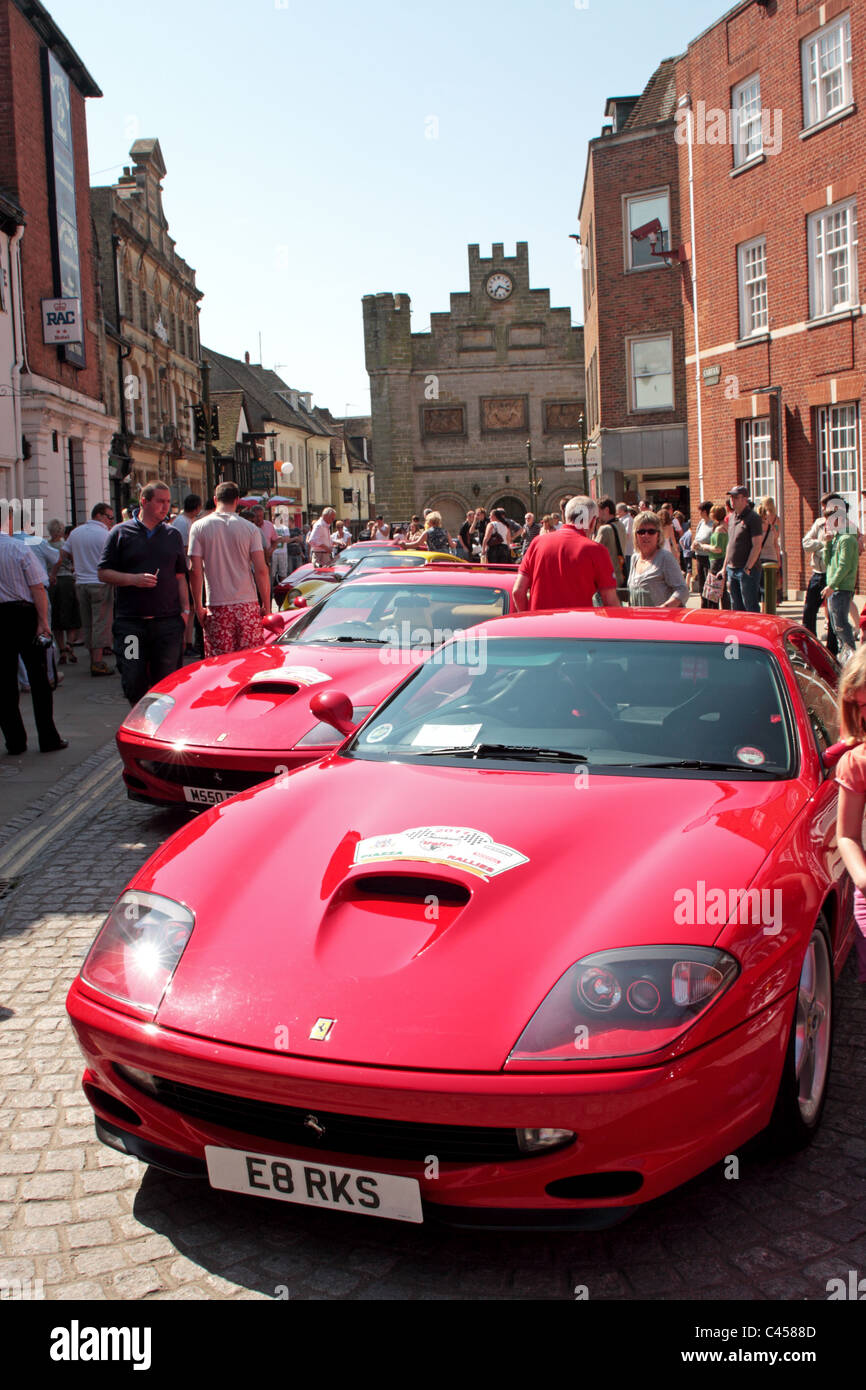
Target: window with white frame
(826,64)
(838,437)
(752,280)
(746,120)
(651,373)
(640,209)
(833,283)
(758,469)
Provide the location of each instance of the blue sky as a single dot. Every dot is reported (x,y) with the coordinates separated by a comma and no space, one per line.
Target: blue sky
(317,152)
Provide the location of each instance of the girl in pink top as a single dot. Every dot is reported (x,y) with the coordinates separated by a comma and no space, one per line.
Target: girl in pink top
(851,776)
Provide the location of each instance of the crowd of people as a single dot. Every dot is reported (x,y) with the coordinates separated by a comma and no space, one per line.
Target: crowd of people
(150,588)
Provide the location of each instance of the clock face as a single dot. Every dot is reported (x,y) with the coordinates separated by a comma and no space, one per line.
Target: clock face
(499,285)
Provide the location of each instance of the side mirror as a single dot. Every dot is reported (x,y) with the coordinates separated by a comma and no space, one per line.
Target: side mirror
(274,622)
(299,602)
(334,708)
(831,755)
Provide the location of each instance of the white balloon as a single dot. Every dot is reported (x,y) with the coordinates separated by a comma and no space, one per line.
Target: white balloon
(287,469)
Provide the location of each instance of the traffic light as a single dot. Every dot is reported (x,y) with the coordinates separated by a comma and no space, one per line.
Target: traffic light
(214,421)
(200,418)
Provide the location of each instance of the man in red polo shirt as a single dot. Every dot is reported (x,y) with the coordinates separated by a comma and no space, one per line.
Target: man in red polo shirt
(566,569)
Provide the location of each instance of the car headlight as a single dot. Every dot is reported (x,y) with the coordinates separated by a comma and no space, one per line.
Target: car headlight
(148,714)
(622,1003)
(138,949)
(325,736)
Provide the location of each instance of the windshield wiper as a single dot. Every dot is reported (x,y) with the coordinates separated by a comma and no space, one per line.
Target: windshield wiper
(699,765)
(362,641)
(498,750)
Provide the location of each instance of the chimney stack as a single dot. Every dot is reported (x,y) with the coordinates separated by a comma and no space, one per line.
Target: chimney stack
(247,358)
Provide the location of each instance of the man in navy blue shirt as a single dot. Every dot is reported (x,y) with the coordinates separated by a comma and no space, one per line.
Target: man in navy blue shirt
(146,561)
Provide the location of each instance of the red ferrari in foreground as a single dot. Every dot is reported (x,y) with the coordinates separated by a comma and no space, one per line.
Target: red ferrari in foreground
(565,917)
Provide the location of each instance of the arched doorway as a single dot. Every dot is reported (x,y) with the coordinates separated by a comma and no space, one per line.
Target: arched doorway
(452,508)
(512,506)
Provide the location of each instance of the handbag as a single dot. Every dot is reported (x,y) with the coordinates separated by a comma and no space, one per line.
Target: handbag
(714,587)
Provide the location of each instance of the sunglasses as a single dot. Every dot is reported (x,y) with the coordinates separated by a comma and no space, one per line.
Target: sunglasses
(647,531)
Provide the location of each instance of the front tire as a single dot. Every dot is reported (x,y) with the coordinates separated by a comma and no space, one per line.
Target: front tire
(803,1088)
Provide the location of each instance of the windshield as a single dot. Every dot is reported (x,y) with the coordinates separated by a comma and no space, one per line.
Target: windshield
(397,615)
(661,708)
(361,551)
(386,560)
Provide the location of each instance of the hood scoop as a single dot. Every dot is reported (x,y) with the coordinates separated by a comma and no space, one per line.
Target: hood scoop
(272,686)
(376,923)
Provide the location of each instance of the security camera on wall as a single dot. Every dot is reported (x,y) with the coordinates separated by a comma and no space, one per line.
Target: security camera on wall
(653,233)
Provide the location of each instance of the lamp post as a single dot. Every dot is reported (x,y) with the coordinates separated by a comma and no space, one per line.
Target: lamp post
(204,369)
(534,480)
(584,446)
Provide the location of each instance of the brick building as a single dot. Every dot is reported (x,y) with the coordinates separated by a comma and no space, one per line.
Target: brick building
(11,336)
(632,296)
(770,118)
(65,430)
(453,409)
(150,302)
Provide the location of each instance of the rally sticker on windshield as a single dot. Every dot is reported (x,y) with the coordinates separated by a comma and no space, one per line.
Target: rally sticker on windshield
(468,849)
(446,736)
(752,757)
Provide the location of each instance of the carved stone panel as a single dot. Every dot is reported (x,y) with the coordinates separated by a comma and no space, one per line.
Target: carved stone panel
(443,419)
(503,413)
(562,416)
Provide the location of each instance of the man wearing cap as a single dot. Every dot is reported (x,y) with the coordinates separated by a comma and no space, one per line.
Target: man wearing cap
(742,562)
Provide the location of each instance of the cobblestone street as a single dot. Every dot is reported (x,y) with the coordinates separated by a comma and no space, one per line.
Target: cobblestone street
(92,1224)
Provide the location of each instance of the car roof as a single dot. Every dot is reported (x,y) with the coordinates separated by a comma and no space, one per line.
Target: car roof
(648,625)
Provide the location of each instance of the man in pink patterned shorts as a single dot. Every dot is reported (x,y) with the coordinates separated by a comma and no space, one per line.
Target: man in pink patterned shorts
(226,552)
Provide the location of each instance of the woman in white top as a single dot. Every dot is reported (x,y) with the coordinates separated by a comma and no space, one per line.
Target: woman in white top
(496,546)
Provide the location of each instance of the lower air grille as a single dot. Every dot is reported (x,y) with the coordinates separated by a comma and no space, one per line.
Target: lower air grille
(346,1134)
(223,779)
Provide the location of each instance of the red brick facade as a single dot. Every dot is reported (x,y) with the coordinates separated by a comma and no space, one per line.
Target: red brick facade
(641,450)
(815,358)
(627,303)
(24,173)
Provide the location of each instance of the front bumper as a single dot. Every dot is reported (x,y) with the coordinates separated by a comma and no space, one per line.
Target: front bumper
(158,772)
(640,1133)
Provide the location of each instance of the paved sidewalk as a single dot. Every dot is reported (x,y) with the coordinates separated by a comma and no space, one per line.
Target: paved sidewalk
(87,711)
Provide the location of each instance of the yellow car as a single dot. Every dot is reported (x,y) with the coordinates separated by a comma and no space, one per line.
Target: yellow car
(314,586)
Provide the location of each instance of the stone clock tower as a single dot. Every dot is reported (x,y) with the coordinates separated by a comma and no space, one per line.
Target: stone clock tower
(453,409)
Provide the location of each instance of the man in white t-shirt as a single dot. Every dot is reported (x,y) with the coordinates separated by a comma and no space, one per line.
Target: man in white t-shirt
(319,539)
(184,520)
(626,520)
(85,545)
(226,550)
(183,523)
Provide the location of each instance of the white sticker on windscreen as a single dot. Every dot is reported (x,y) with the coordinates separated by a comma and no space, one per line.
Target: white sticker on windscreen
(446,736)
(458,845)
(752,757)
(376,735)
